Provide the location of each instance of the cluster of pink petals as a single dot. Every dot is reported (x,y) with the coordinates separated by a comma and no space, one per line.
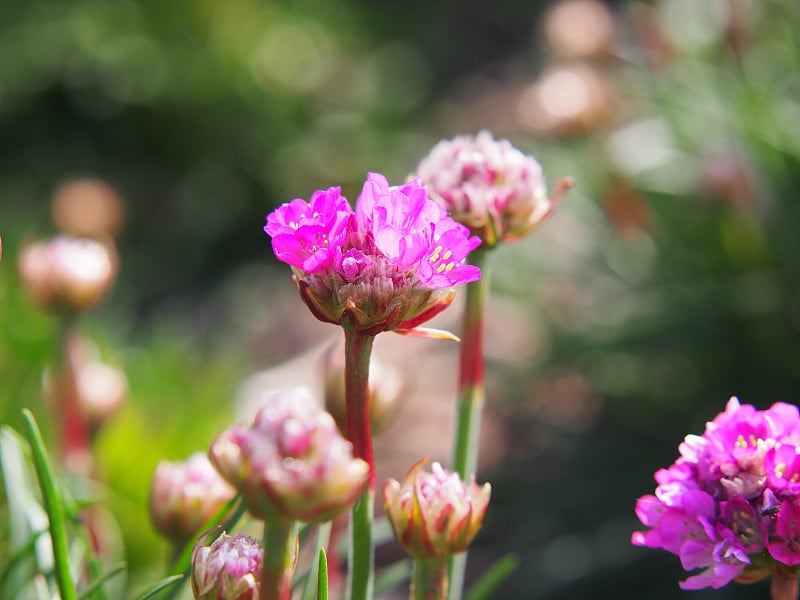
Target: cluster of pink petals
(291,461)
(729,507)
(186,494)
(228,569)
(435,514)
(489,186)
(388,264)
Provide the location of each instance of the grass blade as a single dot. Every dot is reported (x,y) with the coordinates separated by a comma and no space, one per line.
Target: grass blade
(322,576)
(486,585)
(54,508)
(97,583)
(158,587)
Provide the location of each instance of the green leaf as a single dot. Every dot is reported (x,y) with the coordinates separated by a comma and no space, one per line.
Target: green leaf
(54,508)
(310,576)
(97,583)
(161,585)
(486,585)
(322,576)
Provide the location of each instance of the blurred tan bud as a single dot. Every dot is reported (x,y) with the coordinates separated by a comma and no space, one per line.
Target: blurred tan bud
(67,274)
(385,387)
(88,207)
(567,99)
(579,29)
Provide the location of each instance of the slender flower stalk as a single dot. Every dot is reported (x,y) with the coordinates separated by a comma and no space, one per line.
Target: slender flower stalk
(358,348)
(388,265)
(500,194)
(471,394)
(429,580)
(280,559)
(783,587)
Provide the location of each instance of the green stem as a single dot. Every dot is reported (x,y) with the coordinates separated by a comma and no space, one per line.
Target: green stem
(784,587)
(471,394)
(280,557)
(358,348)
(430,579)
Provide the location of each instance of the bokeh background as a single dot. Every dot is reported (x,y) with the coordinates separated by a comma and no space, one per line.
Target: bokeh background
(668,280)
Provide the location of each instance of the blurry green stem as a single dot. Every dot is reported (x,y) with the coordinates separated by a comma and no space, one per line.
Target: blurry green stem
(429,579)
(471,394)
(55,509)
(358,348)
(784,587)
(280,557)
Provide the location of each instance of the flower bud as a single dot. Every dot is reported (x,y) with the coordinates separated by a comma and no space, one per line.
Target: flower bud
(385,387)
(184,495)
(228,569)
(99,389)
(64,273)
(435,514)
(292,460)
(498,192)
(88,207)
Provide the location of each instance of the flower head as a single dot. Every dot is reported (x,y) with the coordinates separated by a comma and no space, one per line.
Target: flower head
(184,495)
(435,514)
(228,569)
(732,500)
(489,186)
(292,460)
(390,264)
(65,273)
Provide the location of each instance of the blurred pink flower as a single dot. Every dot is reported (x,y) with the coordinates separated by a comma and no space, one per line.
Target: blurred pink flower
(228,569)
(292,460)
(389,265)
(435,514)
(184,495)
(731,494)
(489,186)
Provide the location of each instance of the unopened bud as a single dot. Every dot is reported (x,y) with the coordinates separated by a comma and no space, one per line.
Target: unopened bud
(88,207)
(498,192)
(184,495)
(435,514)
(67,274)
(228,569)
(291,460)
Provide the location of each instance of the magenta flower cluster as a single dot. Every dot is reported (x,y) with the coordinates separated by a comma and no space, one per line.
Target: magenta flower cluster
(729,507)
(388,264)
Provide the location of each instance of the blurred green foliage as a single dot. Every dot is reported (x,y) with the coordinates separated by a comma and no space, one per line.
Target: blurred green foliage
(668,280)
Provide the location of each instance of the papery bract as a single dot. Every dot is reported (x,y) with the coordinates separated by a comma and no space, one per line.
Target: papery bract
(389,264)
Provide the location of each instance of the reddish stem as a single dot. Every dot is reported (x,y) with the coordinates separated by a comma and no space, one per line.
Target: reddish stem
(358,348)
(784,587)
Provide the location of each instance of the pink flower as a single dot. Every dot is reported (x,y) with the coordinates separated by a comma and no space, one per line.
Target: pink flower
(184,495)
(291,460)
(228,569)
(489,186)
(733,492)
(389,265)
(435,514)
